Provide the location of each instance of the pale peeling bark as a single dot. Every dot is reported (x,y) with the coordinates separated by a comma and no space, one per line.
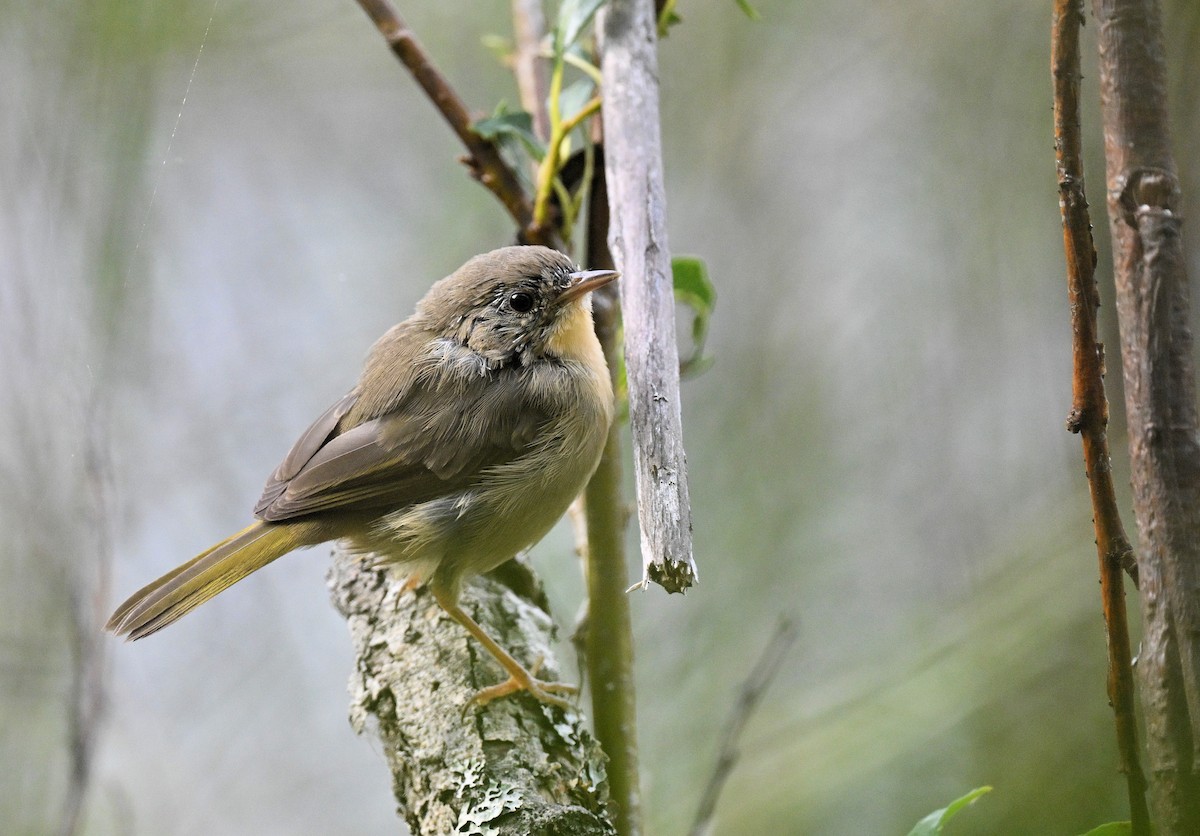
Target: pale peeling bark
(638,240)
(512,767)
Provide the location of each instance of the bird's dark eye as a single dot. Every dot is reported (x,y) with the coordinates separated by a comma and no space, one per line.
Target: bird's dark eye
(521,302)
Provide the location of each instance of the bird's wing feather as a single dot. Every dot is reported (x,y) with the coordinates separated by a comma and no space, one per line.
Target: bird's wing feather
(306,446)
(438,439)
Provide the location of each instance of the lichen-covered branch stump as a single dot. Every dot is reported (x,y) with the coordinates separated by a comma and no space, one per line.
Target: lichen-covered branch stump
(514,766)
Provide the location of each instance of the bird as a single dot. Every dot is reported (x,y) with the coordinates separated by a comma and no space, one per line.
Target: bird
(474,424)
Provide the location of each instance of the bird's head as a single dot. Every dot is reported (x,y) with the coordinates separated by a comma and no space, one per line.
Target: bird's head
(516,304)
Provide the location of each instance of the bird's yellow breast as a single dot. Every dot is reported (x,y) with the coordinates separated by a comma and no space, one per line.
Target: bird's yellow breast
(573,337)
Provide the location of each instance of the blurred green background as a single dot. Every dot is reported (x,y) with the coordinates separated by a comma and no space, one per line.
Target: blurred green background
(209,210)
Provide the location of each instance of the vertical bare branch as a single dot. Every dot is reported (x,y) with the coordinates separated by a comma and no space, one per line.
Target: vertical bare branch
(1089,411)
(638,240)
(529,25)
(1153,309)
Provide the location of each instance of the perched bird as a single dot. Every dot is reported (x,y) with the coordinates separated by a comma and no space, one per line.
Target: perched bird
(475,423)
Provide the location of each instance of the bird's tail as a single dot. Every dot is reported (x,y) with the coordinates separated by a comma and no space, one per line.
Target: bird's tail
(186,587)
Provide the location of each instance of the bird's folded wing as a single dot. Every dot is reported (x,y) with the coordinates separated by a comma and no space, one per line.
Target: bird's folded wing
(306,446)
(436,441)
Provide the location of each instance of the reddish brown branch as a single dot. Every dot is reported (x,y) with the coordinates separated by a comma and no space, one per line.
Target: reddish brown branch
(1089,411)
(484,160)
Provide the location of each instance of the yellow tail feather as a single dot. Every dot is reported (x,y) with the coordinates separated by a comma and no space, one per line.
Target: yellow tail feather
(181,590)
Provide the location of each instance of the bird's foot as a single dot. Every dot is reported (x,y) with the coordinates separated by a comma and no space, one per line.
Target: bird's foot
(523,680)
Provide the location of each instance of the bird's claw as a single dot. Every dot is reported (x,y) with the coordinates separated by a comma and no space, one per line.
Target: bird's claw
(543,692)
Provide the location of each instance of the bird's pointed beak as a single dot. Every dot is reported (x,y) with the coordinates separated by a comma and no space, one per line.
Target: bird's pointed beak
(584,282)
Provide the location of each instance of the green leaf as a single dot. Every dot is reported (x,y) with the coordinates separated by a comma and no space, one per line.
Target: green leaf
(573,18)
(936,821)
(748,10)
(1112,828)
(505,124)
(667,18)
(689,276)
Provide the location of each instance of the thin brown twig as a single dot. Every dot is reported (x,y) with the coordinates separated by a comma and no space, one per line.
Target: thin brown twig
(1089,410)
(751,695)
(485,161)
